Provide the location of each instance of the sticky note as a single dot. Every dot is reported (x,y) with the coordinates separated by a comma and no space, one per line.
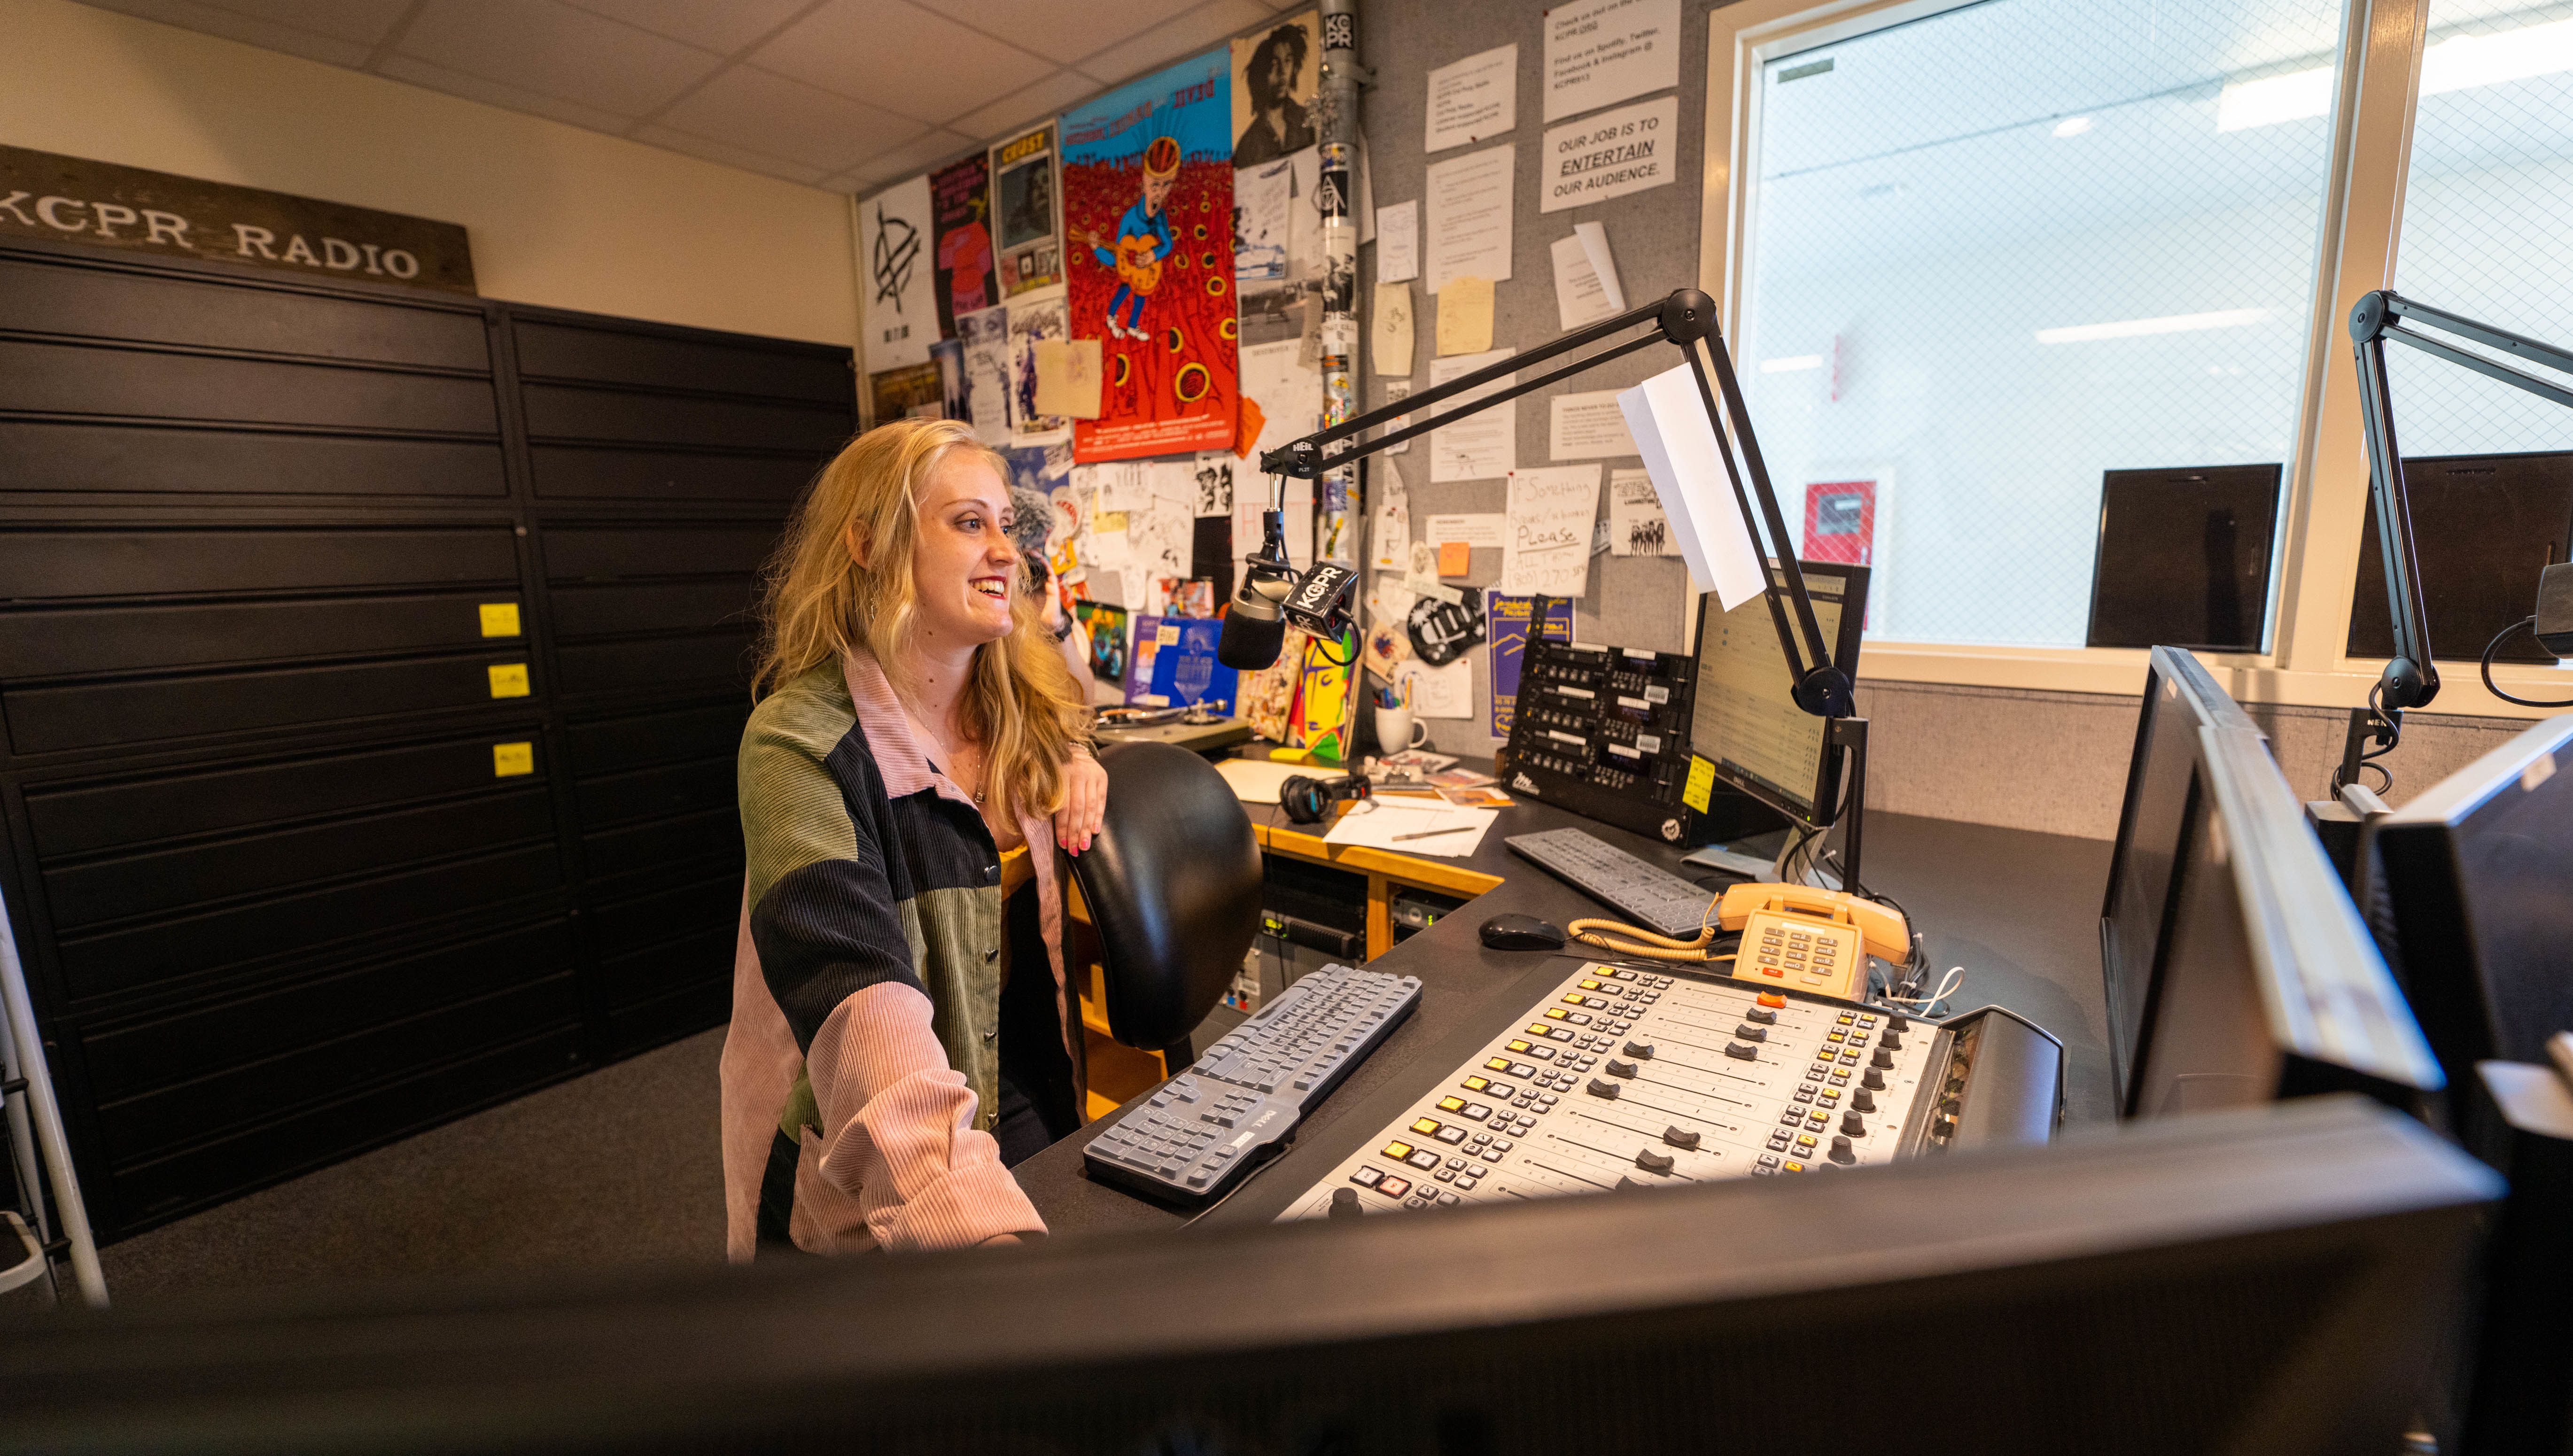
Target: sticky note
(1068,378)
(508,759)
(508,679)
(1465,316)
(1389,342)
(1254,420)
(1455,559)
(1700,786)
(500,619)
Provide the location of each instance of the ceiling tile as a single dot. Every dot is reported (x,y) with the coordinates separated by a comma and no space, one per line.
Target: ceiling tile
(748,160)
(550,49)
(746,106)
(1202,29)
(507,98)
(915,156)
(715,25)
(1055,30)
(248,30)
(900,57)
(1041,100)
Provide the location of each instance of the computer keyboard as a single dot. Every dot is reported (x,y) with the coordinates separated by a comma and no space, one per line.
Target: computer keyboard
(1204,1129)
(1655,899)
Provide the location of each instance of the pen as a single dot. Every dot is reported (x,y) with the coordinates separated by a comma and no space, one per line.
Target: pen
(1435,833)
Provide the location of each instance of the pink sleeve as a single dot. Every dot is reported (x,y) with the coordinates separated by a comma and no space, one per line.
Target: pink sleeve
(898,1129)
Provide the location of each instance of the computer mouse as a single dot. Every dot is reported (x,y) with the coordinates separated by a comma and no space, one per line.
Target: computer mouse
(1520,933)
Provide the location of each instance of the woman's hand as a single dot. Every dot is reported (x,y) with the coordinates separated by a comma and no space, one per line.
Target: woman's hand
(1085,803)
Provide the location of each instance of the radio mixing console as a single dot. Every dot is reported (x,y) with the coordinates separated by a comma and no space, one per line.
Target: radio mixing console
(1624,1076)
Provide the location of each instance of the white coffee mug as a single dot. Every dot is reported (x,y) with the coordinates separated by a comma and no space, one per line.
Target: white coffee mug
(1394,730)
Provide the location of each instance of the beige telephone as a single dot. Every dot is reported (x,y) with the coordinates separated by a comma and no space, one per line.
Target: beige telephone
(1792,935)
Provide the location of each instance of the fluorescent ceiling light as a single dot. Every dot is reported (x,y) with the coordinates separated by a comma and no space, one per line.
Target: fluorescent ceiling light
(2136,328)
(2455,63)
(1793,363)
(2072,126)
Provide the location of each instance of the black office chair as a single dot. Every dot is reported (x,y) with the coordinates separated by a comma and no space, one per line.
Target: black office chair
(1173,883)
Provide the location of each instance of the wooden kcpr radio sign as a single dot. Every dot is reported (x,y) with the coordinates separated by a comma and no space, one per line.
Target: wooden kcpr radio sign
(75,200)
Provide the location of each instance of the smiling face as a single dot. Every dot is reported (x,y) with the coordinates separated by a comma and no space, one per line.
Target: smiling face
(962,562)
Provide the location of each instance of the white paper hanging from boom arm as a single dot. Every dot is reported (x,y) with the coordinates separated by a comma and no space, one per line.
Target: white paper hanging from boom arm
(1686,463)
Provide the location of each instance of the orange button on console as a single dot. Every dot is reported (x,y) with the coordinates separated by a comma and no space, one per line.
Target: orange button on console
(1771,997)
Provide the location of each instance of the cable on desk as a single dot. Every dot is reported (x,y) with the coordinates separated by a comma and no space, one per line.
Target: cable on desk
(2494,646)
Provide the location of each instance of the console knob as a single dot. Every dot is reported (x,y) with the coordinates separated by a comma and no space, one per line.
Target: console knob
(1893,1039)
(1344,1204)
(1772,999)
(1948,1106)
(1864,1100)
(1896,1022)
(1750,1032)
(1882,1059)
(1761,1013)
(1853,1125)
(1651,1161)
(1840,1151)
(1643,1049)
(1677,1138)
(1621,1068)
(1871,1079)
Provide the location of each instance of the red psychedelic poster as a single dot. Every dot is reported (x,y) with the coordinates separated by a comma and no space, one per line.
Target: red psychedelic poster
(1147,228)
(961,198)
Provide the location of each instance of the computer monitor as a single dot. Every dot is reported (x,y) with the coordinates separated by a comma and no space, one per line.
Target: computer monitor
(2183,557)
(2180,698)
(2270,1281)
(2476,886)
(2266,983)
(1742,719)
(2483,527)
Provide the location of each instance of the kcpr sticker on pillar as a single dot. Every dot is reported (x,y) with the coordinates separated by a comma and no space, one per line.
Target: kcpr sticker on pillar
(75,200)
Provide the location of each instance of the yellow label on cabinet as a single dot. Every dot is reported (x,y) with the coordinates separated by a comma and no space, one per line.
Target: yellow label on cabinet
(508,759)
(500,619)
(508,679)
(1701,784)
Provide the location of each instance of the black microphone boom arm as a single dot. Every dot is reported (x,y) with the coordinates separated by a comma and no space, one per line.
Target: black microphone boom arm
(1686,320)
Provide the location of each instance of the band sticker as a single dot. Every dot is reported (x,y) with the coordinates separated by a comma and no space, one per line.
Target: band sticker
(508,679)
(500,619)
(510,760)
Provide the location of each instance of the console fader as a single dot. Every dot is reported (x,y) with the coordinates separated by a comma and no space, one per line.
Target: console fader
(1624,1076)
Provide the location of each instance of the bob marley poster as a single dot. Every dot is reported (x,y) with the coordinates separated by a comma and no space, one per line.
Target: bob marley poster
(1147,233)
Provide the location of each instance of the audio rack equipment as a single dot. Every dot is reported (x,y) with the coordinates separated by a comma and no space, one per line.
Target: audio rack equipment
(1621,1078)
(1604,732)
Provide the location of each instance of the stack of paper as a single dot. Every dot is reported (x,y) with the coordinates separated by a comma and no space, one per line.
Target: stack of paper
(1388,824)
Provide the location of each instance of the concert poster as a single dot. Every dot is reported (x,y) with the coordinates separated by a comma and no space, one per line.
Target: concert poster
(894,230)
(1025,220)
(962,199)
(1148,233)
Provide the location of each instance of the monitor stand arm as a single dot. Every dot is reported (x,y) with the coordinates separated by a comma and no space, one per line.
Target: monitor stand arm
(1849,735)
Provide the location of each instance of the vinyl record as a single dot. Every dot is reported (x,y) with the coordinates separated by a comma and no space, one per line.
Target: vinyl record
(1442,630)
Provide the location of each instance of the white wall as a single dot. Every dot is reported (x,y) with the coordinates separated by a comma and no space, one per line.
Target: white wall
(558,215)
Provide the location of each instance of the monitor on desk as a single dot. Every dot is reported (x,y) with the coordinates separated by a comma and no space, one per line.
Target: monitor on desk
(2265,984)
(2477,891)
(2179,699)
(1743,720)
(2483,527)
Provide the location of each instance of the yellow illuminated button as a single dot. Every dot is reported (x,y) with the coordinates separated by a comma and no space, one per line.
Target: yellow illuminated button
(1478,1083)
(499,618)
(1576,998)
(1555,1011)
(1834,1036)
(1793,1166)
(1590,985)
(1425,1127)
(1497,1064)
(1845,1018)
(511,759)
(508,679)
(1517,1045)
(1398,1149)
(1452,1103)
(1805,1140)
(1538,1029)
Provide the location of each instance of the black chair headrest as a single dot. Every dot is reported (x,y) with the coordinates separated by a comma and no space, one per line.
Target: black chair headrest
(1173,881)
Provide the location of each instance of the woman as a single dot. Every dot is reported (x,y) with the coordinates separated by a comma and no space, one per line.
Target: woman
(901,1029)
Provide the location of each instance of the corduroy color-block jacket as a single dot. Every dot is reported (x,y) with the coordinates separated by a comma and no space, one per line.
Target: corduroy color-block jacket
(867,980)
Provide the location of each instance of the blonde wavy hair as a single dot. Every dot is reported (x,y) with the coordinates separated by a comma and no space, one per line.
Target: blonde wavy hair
(817,605)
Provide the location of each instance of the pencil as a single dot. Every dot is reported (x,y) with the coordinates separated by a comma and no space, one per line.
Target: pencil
(1435,833)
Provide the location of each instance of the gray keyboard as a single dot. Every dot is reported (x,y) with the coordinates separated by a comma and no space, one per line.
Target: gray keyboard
(1655,899)
(1203,1130)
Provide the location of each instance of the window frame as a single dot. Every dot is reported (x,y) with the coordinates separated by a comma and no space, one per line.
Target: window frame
(2327,484)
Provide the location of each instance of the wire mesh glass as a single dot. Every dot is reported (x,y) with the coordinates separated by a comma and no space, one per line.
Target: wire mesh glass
(2000,251)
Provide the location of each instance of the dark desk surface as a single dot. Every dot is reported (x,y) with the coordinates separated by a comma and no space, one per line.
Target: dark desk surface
(2018,910)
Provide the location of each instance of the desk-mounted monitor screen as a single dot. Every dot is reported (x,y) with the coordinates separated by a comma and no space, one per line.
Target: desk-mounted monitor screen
(2478,886)
(2483,527)
(1743,720)
(2183,557)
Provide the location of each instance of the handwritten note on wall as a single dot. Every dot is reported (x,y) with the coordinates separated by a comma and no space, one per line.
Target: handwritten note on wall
(1548,549)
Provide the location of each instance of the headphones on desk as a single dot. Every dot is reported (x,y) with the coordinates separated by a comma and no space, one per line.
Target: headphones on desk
(1308,800)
